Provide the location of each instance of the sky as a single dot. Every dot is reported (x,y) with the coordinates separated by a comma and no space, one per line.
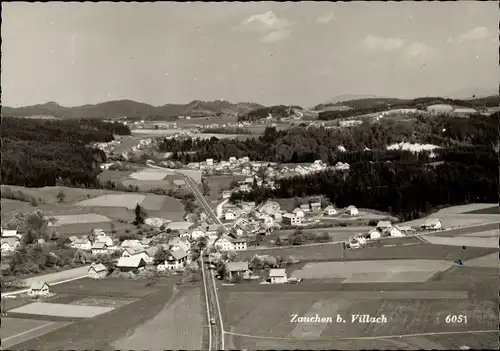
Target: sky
(264,52)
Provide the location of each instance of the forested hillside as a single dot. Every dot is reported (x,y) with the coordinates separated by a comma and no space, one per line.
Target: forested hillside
(403,183)
(38,152)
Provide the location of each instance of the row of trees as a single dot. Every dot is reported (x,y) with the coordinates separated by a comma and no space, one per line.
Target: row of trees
(37,153)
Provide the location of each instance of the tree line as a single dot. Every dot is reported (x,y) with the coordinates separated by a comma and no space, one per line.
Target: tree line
(37,153)
(299,144)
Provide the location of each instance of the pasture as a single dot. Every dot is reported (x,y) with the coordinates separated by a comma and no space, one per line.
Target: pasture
(101,331)
(219,183)
(61,310)
(17,330)
(476,208)
(144,179)
(80,219)
(123,200)
(470,241)
(262,320)
(48,194)
(451,221)
(180,321)
(151,174)
(389,271)
(334,252)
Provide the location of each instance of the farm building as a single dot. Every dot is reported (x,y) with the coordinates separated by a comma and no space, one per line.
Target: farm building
(316,206)
(351,211)
(291,219)
(238,269)
(176,259)
(10,244)
(432,223)
(181,243)
(277,275)
(100,248)
(330,211)
(39,289)
(299,213)
(226,194)
(132,263)
(381,225)
(97,271)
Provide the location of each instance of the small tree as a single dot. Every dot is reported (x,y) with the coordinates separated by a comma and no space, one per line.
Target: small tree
(140,215)
(61,196)
(160,256)
(278,242)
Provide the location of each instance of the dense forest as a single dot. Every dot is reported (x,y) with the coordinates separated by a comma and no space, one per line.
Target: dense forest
(38,152)
(300,144)
(464,168)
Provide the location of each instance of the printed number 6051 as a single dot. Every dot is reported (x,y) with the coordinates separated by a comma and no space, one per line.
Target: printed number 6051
(452,318)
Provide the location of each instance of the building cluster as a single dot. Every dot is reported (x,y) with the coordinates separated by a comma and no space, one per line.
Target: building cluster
(270,170)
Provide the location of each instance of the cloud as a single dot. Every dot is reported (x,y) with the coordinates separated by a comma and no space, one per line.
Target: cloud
(477,33)
(271,26)
(325,18)
(375,43)
(420,50)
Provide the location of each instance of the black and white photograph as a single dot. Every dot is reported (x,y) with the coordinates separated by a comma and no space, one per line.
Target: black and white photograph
(250,175)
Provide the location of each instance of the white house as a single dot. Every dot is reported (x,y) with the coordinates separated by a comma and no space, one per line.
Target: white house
(176,259)
(330,211)
(137,252)
(39,289)
(210,161)
(226,194)
(316,206)
(224,244)
(352,211)
(393,231)
(105,239)
(82,244)
(267,220)
(229,215)
(97,271)
(197,233)
(432,223)
(10,234)
(299,213)
(374,234)
(291,219)
(99,248)
(10,244)
(239,244)
(277,275)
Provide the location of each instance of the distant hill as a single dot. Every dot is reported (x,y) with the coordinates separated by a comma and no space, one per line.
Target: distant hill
(129,108)
(348,97)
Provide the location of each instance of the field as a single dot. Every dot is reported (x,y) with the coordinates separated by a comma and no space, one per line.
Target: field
(388,271)
(48,194)
(476,208)
(180,323)
(150,174)
(77,219)
(465,241)
(262,320)
(123,200)
(332,252)
(61,310)
(218,183)
(100,331)
(144,179)
(458,220)
(15,329)
(488,210)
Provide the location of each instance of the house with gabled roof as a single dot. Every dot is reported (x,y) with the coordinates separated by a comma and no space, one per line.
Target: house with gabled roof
(131,263)
(351,211)
(130,243)
(99,248)
(82,244)
(330,210)
(305,208)
(139,251)
(315,206)
(238,269)
(97,271)
(176,259)
(298,212)
(382,225)
(277,275)
(39,289)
